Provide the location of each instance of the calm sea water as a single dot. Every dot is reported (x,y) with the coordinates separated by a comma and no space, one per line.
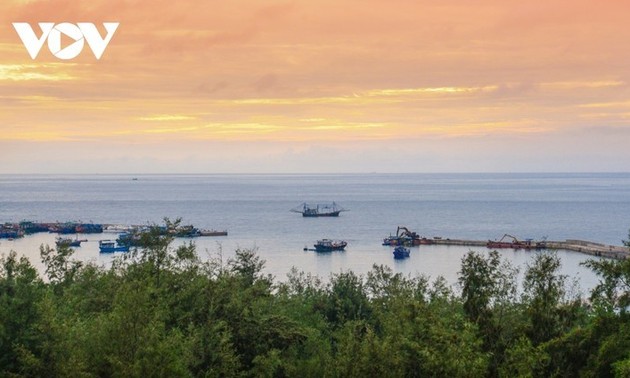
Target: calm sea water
(255,211)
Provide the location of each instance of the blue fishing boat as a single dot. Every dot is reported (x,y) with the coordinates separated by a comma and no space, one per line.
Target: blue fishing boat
(401,252)
(109,246)
(89,228)
(9,234)
(32,227)
(10,231)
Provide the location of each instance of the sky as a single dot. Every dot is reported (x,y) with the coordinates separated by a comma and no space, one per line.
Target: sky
(249,86)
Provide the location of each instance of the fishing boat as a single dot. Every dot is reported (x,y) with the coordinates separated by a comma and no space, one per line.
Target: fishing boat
(74,227)
(328,245)
(67,242)
(119,228)
(130,239)
(407,238)
(191,232)
(89,228)
(319,210)
(32,227)
(10,234)
(401,252)
(109,246)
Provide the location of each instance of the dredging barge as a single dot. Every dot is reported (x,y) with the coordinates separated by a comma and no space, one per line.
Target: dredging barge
(407,238)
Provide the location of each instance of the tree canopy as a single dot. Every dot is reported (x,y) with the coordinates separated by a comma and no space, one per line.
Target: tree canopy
(162,311)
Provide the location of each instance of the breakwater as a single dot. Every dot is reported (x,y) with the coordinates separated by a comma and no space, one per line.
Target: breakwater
(582,246)
(406,237)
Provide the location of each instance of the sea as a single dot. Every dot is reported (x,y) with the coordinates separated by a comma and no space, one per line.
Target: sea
(255,210)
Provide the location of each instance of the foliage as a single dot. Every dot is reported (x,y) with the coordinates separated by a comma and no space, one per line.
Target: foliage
(489,296)
(60,268)
(544,290)
(161,311)
(612,294)
(21,291)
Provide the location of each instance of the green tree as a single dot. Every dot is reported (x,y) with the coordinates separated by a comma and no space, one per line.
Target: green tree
(485,282)
(612,293)
(154,249)
(522,359)
(622,368)
(550,311)
(613,348)
(248,266)
(489,301)
(347,299)
(20,292)
(60,268)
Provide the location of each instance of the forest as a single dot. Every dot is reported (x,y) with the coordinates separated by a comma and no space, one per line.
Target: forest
(161,311)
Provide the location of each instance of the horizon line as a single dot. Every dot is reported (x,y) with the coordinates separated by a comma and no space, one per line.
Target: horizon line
(300,173)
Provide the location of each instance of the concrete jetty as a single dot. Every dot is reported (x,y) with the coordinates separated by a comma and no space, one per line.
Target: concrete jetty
(592,248)
(582,246)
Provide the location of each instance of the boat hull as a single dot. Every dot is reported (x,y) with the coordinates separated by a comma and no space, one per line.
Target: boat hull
(401,253)
(328,249)
(329,246)
(110,247)
(315,215)
(113,249)
(73,243)
(212,233)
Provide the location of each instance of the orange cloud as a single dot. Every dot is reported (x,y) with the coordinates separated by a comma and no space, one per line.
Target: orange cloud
(309,71)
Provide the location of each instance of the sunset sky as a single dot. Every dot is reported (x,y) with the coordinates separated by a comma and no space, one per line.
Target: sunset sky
(320,86)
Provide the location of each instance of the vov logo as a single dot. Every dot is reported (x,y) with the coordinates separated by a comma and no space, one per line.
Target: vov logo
(80,33)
